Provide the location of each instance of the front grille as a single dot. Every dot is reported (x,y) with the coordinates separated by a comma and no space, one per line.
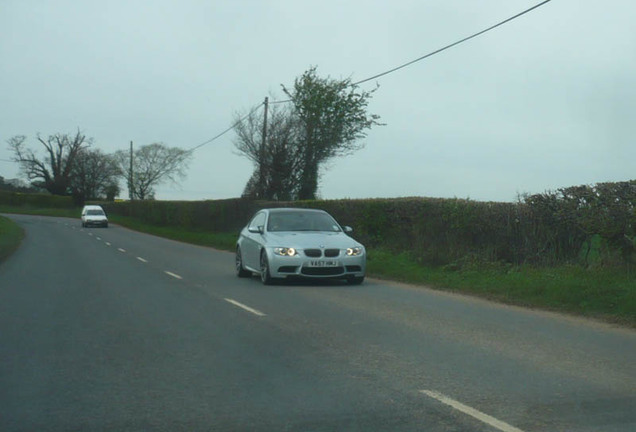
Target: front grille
(313,253)
(352,269)
(322,271)
(330,253)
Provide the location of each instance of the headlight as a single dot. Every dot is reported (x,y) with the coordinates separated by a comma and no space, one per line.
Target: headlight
(354,251)
(285,251)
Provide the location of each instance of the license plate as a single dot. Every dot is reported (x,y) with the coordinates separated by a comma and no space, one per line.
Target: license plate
(323,263)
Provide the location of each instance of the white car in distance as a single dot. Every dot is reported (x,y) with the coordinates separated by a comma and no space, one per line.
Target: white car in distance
(94,215)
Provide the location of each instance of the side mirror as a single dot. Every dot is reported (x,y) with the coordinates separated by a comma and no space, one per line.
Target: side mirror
(256,230)
(347,229)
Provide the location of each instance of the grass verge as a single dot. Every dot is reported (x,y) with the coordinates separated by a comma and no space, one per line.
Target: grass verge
(602,293)
(223,241)
(10,237)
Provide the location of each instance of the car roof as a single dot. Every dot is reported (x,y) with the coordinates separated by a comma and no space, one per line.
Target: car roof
(92,207)
(292,209)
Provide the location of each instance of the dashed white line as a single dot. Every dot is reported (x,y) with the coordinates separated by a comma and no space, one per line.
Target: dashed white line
(121,250)
(174,275)
(142,260)
(244,307)
(107,243)
(99,238)
(484,418)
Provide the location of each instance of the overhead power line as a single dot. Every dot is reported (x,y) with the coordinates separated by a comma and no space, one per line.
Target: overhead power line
(236,123)
(452,45)
(386,72)
(280,102)
(438,50)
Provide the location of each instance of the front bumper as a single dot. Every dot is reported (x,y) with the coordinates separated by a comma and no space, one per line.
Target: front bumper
(96,223)
(337,267)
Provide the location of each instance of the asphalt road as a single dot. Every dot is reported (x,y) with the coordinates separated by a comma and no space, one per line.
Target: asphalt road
(112,330)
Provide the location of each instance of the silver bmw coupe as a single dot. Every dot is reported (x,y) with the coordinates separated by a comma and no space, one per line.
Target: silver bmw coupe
(289,242)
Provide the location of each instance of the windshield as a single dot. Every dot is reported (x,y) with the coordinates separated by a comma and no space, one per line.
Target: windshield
(301,221)
(95,213)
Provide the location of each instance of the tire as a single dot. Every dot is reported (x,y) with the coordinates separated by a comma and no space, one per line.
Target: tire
(355,280)
(240,271)
(266,277)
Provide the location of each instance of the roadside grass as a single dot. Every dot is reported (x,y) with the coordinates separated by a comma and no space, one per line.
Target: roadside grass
(608,294)
(10,237)
(223,241)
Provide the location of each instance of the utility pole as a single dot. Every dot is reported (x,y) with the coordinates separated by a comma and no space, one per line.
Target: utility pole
(261,183)
(130,179)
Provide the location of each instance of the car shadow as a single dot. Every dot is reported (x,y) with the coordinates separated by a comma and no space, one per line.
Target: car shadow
(326,283)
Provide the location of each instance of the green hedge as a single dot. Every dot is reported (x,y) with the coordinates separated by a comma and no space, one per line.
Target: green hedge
(35,200)
(216,216)
(585,224)
(542,229)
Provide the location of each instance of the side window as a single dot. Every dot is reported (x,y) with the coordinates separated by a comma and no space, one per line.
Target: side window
(258,220)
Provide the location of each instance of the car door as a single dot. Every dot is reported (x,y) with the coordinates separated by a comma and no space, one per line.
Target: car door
(253,240)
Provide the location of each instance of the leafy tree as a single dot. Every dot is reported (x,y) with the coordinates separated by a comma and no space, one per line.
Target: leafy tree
(52,172)
(153,164)
(93,174)
(332,118)
(111,191)
(277,164)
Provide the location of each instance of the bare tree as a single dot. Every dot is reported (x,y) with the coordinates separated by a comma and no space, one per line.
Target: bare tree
(153,164)
(94,174)
(52,172)
(276,165)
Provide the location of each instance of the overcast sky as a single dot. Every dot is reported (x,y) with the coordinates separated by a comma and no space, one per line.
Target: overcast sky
(545,101)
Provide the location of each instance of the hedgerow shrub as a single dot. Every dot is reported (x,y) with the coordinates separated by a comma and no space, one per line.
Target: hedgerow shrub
(35,200)
(548,228)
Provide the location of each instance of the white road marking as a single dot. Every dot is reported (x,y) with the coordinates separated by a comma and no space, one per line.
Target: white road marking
(174,275)
(99,238)
(484,418)
(90,234)
(121,250)
(141,259)
(247,308)
(107,244)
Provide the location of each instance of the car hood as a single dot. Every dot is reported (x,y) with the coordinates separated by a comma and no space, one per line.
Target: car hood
(307,240)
